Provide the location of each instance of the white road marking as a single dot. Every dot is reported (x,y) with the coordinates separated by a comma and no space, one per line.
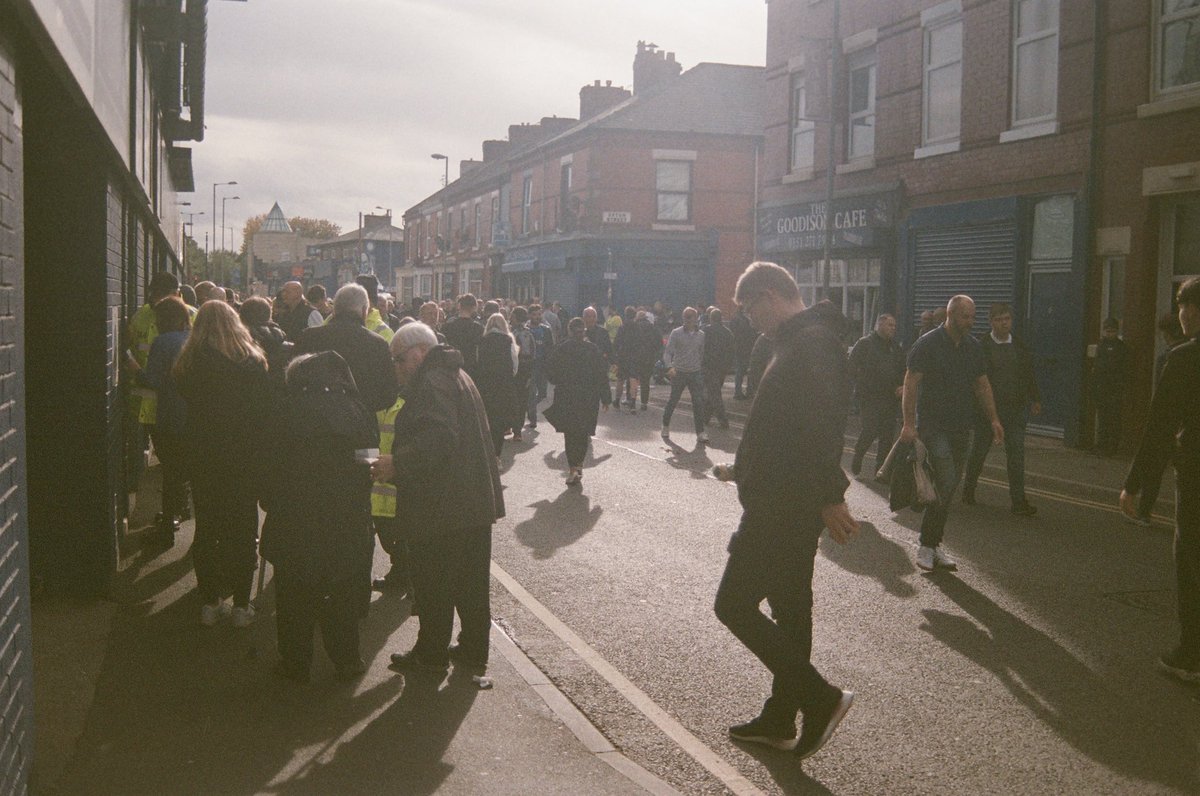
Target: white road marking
(729,776)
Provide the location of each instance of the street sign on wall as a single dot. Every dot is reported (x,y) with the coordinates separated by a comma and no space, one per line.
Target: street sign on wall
(616,217)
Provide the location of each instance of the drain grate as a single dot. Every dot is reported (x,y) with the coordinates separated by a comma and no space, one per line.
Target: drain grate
(1160,602)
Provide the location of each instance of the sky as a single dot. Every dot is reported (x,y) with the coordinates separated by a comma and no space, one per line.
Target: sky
(333,107)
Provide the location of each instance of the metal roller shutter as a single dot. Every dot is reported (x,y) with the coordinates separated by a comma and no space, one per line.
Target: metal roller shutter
(979,261)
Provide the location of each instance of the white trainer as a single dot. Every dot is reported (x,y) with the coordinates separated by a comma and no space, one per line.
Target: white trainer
(242,617)
(666,432)
(702,437)
(211,614)
(925,558)
(942,560)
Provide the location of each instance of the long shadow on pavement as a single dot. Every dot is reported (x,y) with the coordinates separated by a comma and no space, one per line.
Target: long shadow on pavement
(1061,691)
(786,770)
(873,555)
(558,523)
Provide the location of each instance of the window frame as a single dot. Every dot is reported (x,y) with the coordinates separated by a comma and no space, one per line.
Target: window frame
(927,68)
(1014,53)
(799,123)
(856,61)
(687,195)
(1160,22)
(526,203)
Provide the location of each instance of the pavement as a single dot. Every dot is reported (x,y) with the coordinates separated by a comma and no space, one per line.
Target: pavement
(609,674)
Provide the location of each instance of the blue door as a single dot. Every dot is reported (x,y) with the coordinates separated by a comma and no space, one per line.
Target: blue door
(1052,330)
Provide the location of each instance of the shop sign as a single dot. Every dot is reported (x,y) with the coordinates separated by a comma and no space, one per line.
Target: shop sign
(859,222)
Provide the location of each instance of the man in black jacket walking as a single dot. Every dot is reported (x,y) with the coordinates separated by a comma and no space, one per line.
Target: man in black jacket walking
(791,486)
(1173,434)
(743,344)
(364,351)
(878,366)
(716,363)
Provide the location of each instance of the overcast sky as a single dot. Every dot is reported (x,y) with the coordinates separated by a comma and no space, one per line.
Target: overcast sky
(332,107)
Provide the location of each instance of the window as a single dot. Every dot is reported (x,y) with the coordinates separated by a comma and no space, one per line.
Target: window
(447,285)
(942,101)
(566,220)
(804,129)
(854,288)
(526,203)
(1035,61)
(478,224)
(1053,229)
(426,289)
(674,185)
(495,216)
(462,227)
(1178,43)
(860,125)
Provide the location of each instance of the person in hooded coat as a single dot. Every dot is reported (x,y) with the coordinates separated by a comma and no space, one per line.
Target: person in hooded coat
(318,532)
(255,312)
(579,375)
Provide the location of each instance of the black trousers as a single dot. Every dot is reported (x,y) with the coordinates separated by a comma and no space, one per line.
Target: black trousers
(1187,560)
(577,446)
(775,564)
(392,540)
(451,572)
(878,416)
(644,374)
(225,547)
(1108,426)
(173,457)
(714,402)
(300,607)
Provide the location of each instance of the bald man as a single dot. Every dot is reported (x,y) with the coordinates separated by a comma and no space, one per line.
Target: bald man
(296,314)
(946,378)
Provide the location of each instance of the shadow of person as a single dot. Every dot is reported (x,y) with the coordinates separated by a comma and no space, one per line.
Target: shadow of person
(401,749)
(695,461)
(557,460)
(785,769)
(873,555)
(557,523)
(1062,691)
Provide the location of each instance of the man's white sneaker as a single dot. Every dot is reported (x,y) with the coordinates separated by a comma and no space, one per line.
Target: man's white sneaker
(925,558)
(942,560)
(702,437)
(211,614)
(666,432)
(242,617)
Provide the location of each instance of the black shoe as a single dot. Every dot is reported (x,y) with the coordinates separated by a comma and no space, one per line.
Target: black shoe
(968,497)
(856,466)
(1024,510)
(724,423)
(737,396)
(776,734)
(393,582)
(1180,666)
(820,724)
(409,662)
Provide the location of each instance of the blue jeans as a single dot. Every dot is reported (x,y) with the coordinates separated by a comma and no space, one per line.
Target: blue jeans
(1014,454)
(694,382)
(739,374)
(947,452)
(537,390)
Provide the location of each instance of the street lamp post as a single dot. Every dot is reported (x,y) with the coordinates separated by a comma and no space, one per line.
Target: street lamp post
(190,222)
(214,212)
(439,156)
(391,265)
(225,199)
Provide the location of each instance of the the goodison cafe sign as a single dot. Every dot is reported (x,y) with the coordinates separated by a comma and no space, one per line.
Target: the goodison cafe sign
(859,222)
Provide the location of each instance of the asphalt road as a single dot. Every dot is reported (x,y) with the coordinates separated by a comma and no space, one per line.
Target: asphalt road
(1030,670)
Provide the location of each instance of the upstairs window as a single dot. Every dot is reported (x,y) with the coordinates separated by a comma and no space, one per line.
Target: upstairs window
(1178,45)
(526,203)
(673,180)
(804,130)
(1034,61)
(942,88)
(861,104)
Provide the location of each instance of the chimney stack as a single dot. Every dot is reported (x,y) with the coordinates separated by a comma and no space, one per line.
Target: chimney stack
(652,68)
(596,99)
(494,150)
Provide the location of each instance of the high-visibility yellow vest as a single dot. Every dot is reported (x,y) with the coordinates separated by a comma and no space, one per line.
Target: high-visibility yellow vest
(383,494)
(145,329)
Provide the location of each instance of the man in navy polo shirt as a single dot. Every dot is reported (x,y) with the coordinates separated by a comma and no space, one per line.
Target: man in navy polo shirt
(946,376)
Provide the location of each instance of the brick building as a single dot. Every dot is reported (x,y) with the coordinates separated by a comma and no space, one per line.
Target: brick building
(275,251)
(647,196)
(988,148)
(376,247)
(93,107)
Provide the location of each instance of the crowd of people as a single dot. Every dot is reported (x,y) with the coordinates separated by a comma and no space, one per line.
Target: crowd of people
(352,419)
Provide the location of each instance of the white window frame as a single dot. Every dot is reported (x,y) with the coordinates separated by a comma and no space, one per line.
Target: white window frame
(1161,19)
(688,195)
(862,59)
(800,124)
(1049,72)
(526,203)
(933,20)
(478,223)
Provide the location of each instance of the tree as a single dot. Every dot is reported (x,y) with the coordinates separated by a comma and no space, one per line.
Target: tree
(319,228)
(194,256)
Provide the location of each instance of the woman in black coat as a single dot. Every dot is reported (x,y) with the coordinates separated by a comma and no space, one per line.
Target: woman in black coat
(495,378)
(222,375)
(317,533)
(578,373)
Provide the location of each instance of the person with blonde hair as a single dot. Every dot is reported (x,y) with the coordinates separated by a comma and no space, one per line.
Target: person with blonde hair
(497,358)
(222,375)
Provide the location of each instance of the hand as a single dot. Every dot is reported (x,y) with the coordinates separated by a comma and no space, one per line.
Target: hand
(908,433)
(997,433)
(837,519)
(670,373)
(1128,503)
(604,406)
(1035,408)
(383,469)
